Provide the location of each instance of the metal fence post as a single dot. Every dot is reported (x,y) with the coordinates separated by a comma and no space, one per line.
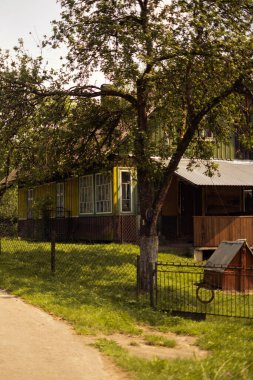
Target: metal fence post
(121,229)
(53,251)
(151,284)
(156,287)
(138,272)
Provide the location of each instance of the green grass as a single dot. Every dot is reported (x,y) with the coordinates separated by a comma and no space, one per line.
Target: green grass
(156,340)
(94,289)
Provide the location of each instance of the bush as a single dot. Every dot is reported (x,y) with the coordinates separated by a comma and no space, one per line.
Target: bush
(9,212)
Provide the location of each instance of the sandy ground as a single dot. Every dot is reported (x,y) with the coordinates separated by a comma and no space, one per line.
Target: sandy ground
(35,346)
(185,345)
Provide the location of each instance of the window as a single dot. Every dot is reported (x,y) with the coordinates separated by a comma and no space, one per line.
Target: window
(207,134)
(30,203)
(126,191)
(86,195)
(60,199)
(103,193)
(247,201)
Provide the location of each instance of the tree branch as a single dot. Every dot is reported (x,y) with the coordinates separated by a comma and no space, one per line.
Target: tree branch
(185,141)
(217,100)
(80,91)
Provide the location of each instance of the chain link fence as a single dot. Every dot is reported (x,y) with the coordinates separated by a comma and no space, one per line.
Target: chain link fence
(108,269)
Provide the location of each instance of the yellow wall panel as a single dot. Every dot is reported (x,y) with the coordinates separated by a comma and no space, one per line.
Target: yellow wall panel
(45,192)
(115,182)
(75,197)
(67,194)
(72,196)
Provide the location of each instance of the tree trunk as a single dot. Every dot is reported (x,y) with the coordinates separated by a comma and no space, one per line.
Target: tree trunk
(145,177)
(148,228)
(148,255)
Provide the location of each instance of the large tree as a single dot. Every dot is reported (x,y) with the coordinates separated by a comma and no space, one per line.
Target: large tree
(180,66)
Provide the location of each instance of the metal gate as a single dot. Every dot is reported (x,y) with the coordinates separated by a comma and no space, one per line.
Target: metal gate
(196,290)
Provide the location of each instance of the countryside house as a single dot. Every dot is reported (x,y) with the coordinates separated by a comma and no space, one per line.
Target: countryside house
(103,206)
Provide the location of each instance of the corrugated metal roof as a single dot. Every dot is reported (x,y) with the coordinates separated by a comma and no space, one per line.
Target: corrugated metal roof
(230,173)
(224,254)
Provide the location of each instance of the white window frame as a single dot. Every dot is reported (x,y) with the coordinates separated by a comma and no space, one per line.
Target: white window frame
(108,189)
(121,192)
(60,202)
(30,198)
(82,195)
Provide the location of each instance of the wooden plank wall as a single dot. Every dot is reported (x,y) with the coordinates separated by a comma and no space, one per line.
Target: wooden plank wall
(120,229)
(210,231)
(22,203)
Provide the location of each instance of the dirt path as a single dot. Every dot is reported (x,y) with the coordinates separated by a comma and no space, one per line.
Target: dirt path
(35,346)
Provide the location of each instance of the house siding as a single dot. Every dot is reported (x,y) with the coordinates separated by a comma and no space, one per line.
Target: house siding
(224,151)
(209,231)
(22,203)
(71,196)
(44,191)
(115,190)
(111,226)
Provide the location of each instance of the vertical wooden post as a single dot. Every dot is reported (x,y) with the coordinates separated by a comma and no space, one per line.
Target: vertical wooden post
(53,250)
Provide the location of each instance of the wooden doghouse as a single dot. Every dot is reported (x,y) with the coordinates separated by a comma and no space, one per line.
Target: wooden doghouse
(230,267)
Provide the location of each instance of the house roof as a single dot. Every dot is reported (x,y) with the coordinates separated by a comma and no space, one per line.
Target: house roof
(9,179)
(230,173)
(224,254)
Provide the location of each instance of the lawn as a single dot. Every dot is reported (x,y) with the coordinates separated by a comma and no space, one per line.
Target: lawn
(94,289)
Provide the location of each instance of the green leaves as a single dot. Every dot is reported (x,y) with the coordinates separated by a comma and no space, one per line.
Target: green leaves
(175,69)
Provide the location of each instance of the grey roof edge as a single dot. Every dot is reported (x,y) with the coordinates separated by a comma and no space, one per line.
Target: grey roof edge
(219,260)
(230,173)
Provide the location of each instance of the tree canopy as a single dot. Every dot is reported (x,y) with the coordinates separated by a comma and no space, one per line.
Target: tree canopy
(175,67)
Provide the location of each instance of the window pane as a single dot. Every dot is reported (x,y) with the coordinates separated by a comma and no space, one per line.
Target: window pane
(126,205)
(103,193)
(125,177)
(86,194)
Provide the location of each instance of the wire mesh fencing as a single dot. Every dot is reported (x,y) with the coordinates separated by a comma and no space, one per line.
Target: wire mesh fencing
(109,272)
(107,269)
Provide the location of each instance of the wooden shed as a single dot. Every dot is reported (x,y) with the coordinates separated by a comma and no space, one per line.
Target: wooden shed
(230,267)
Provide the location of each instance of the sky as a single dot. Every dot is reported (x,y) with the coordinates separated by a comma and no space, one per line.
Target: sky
(30,20)
(19,18)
